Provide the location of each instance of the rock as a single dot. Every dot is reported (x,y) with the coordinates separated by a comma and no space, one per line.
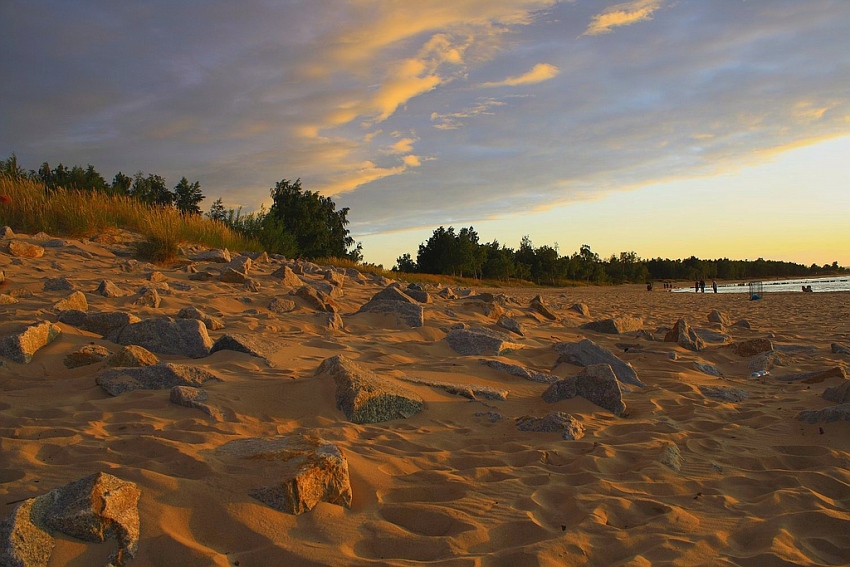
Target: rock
(742,324)
(20,249)
(164,335)
(107,324)
(333,321)
(366,398)
(835,413)
(719,317)
(89,354)
(723,393)
(316,299)
(581,309)
(191,312)
(684,336)
(556,422)
(202,276)
(190,397)
(839,349)
(707,368)
(20,347)
(596,383)
(767,361)
(287,277)
(160,376)
(588,353)
(229,275)
(480,341)
(838,394)
(447,293)
(519,371)
(815,376)
(156,277)
(393,293)
(108,289)
(249,344)
(712,337)
(6,232)
(511,325)
(410,314)
(539,305)
(671,457)
(216,255)
(469,391)
(148,298)
(751,347)
(328,289)
(76,300)
(311,470)
(21,293)
(334,278)
(615,325)
(6,299)
(59,284)
(278,305)
(24,540)
(96,508)
(645,335)
(132,356)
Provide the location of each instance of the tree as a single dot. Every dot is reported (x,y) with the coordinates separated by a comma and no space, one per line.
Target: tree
(151,190)
(217,211)
(318,228)
(121,184)
(10,168)
(405,263)
(187,196)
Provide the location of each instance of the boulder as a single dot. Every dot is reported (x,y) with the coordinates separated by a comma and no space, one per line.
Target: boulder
(311,470)
(190,397)
(107,324)
(160,376)
(20,347)
(838,394)
(287,277)
(393,293)
(742,324)
(334,278)
(410,314)
(596,383)
(683,335)
(148,298)
(480,341)
(767,361)
(89,354)
(519,371)
(21,249)
(279,305)
(815,376)
(216,256)
(328,289)
(249,344)
(510,324)
(615,325)
(132,356)
(164,335)
(156,277)
(581,309)
(840,412)
(76,300)
(839,349)
(332,321)
(6,299)
(587,353)
(719,317)
(712,337)
(316,299)
(707,368)
(671,456)
(751,347)
(108,289)
(229,275)
(59,284)
(539,305)
(557,422)
(469,391)
(191,312)
(364,397)
(24,539)
(241,264)
(6,231)
(723,393)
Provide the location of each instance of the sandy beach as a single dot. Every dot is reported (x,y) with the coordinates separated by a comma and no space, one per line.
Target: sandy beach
(680,478)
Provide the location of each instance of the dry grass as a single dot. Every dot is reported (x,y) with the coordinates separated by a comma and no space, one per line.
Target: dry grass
(83,214)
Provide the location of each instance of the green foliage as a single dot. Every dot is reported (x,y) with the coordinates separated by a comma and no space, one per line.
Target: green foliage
(151,190)
(187,196)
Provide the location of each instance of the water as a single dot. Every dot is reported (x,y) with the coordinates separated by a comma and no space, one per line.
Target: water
(831,283)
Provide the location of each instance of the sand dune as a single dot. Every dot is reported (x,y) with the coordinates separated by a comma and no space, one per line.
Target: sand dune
(457,483)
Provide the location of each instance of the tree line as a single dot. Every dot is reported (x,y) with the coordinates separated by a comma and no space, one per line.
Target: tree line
(460,253)
(299,223)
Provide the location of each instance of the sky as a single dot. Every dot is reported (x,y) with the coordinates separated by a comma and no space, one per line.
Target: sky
(670,128)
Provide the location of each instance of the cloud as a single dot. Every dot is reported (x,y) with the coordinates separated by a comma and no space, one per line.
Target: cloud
(455,120)
(624,14)
(539,73)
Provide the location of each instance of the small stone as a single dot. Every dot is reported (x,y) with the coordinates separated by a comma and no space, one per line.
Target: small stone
(132,356)
(20,249)
(89,354)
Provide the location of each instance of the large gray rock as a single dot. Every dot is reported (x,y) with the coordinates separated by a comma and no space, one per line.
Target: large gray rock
(519,371)
(596,383)
(191,397)
(814,376)
(557,422)
(89,354)
(132,356)
(838,348)
(287,277)
(77,300)
(107,324)
(164,335)
(510,324)
(20,347)
(280,305)
(108,289)
(249,344)
(364,397)
(393,293)
(316,299)
(719,317)
(723,393)
(539,305)
(192,312)
(93,509)
(480,341)
(751,347)
(469,391)
(410,314)
(588,353)
(311,470)
(838,394)
(162,376)
(21,249)
(615,325)
(683,335)
(217,256)
(835,413)
(59,284)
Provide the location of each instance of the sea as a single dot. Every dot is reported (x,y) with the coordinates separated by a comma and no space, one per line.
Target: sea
(819,285)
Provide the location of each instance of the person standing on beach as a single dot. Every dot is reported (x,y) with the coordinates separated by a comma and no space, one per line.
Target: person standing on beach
(696,286)
(714,285)
(702,286)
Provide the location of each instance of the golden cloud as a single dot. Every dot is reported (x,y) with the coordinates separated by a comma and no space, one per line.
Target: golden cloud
(539,73)
(624,14)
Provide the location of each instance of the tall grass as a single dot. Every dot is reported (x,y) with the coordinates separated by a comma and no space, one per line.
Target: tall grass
(31,208)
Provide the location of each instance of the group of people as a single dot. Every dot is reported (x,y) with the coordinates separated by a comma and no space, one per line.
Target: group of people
(699,286)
